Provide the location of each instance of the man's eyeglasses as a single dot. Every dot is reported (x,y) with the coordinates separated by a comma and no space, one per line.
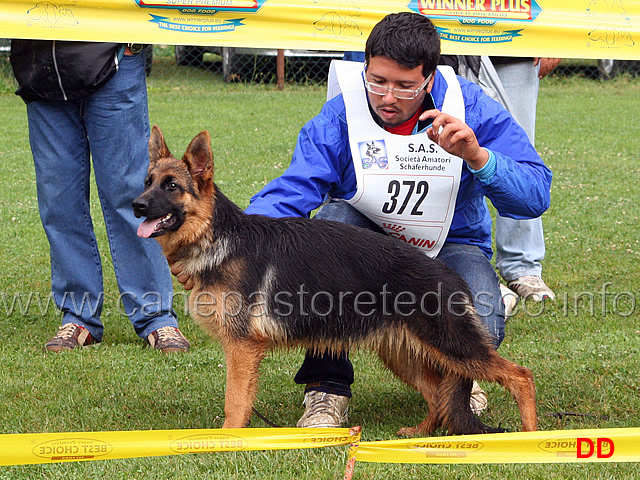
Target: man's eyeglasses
(399,93)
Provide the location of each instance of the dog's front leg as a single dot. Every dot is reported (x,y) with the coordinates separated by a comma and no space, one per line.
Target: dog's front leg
(243,359)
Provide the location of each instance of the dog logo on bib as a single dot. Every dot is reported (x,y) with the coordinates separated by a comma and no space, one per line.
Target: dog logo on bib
(373,153)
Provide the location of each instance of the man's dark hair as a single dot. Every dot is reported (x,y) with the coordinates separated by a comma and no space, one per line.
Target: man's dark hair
(408,38)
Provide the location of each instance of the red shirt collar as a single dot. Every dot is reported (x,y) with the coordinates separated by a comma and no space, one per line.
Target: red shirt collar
(407,127)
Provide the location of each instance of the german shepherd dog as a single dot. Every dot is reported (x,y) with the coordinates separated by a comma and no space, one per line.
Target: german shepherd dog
(261,282)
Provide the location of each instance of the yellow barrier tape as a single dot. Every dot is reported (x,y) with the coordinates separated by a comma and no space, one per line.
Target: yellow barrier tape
(30,448)
(559,446)
(547,28)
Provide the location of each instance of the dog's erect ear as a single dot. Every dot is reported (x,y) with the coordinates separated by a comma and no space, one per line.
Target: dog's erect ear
(157,146)
(199,157)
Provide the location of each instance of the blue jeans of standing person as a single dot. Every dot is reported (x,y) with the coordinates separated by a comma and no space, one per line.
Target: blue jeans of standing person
(110,127)
(520,246)
(334,374)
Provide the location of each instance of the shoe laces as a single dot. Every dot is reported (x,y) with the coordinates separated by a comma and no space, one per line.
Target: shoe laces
(532,280)
(167,333)
(319,402)
(67,330)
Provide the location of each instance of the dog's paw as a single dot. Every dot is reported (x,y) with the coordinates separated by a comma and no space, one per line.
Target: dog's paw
(488,429)
(408,432)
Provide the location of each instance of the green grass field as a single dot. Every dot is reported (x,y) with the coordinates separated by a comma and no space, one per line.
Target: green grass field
(583,348)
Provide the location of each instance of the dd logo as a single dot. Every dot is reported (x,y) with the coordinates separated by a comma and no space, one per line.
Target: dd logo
(603,448)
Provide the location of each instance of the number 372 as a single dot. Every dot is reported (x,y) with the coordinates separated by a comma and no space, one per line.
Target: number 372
(404,194)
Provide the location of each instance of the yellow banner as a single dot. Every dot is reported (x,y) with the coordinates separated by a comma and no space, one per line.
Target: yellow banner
(560,446)
(566,29)
(31,448)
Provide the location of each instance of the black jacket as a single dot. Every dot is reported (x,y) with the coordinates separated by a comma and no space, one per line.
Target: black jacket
(54,70)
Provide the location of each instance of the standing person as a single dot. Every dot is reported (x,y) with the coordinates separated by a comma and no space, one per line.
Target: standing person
(520,245)
(88,101)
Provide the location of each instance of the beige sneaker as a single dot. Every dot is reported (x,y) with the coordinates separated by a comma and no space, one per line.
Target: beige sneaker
(510,300)
(168,340)
(323,410)
(478,400)
(533,287)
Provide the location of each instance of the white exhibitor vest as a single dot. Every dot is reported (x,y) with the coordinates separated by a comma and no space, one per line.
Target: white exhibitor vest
(406,184)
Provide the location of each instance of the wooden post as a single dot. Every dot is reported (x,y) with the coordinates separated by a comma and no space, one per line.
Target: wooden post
(280,69)
(353,450)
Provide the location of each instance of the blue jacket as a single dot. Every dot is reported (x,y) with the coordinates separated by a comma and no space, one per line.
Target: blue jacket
(322,166)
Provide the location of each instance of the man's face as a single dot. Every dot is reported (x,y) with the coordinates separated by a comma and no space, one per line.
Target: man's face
(389,73)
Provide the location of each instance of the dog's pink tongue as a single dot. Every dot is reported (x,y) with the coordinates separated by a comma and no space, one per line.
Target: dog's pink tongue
(146,228)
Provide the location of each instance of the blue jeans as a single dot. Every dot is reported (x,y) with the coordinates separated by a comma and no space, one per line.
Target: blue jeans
(520,244)
(334,374)
(111,127)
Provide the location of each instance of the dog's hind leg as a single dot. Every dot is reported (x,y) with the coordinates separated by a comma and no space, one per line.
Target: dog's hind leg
(418,374)
(243,359)
(428,383)
(455,393)
(519,382)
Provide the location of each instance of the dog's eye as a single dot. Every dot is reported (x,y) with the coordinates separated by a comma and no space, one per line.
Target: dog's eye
(148,182)
(172,186)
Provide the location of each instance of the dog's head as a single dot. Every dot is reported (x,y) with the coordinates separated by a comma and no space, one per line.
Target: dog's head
(178,193)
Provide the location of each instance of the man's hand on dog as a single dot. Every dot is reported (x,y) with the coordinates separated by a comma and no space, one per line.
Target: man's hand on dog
(177,269)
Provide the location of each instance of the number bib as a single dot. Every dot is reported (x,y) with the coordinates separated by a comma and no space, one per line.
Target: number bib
(406,184)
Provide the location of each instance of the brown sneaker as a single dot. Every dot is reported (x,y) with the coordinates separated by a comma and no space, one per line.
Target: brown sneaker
(69,336)
(168,340)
